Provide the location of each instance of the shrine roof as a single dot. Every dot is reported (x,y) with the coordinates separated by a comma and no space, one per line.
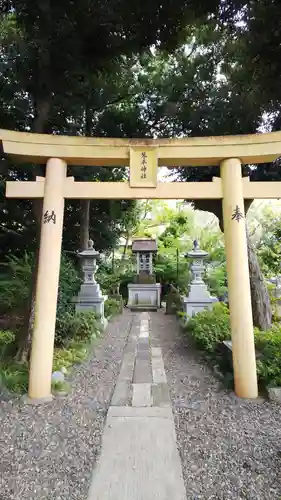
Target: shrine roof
(144,245)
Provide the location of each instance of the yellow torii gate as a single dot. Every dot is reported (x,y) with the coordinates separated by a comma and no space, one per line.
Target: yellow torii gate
(143,156)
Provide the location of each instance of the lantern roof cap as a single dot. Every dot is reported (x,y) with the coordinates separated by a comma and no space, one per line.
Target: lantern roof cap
(90,252)
(197,252)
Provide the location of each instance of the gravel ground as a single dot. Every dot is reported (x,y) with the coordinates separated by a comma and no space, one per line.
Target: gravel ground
(230,449)
(48,452)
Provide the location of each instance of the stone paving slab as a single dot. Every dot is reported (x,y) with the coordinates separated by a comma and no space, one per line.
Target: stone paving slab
(139,461)
(160,395)
(130,411)
(143,344)
(127,368)
(142,395)
(158,371)
(142,373)
(156,352)
(122,393)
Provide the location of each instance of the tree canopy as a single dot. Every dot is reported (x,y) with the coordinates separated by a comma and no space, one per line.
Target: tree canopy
(144,69)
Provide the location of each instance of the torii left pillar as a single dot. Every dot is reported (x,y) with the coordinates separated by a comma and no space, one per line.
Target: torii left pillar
(40,373)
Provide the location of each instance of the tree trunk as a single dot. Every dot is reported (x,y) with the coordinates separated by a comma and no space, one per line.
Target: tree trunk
(86,204)
(113,262)
(84,223)
(262,312)
(125,247)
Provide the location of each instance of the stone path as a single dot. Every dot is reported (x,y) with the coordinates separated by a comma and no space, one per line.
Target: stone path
(139,458)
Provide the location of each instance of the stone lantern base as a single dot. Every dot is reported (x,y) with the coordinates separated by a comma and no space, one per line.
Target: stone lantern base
(144,296)
(198,299)
(90,299)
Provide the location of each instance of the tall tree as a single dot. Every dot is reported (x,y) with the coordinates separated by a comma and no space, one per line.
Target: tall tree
(50,51)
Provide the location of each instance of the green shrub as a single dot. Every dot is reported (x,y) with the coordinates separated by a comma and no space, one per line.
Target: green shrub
(69,285)
(216,280)
(269,364)
(6,337)
(210,327)
(111,307)
(182,317)
(75,353)
(60,387)
(14,376)
(15,284)
(166,271)
(7,340)
(76,326)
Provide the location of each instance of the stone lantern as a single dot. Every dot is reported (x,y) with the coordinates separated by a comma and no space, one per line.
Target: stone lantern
(199,297)
(145,293)
(90,297)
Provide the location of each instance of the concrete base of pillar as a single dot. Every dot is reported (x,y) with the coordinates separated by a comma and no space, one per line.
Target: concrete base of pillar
(256,400)
(26,399)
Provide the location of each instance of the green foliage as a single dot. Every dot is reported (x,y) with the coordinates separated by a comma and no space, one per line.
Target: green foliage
(210,327)
(15,285)
(167,271)
(273,299)
(60,387)
(76,326)
(111,307)
(76,352)
(269,250)
(46,85)
(15,282)
(268,344)
(216,280)
(69,285)
(7,339)
(14,376)
(107,279)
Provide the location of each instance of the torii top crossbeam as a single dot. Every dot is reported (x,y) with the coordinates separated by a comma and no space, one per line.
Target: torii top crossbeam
(254,148)
(143,156)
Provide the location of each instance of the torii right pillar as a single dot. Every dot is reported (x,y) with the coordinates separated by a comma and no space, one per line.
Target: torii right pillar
(239,293)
